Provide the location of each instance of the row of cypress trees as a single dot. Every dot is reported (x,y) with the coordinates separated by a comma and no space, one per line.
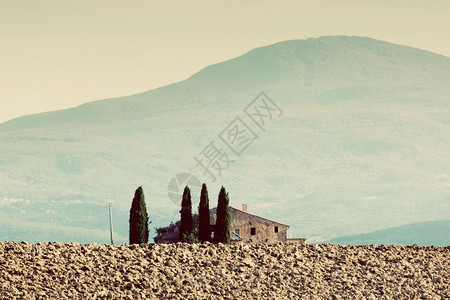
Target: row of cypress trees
(201,231)
(188,231)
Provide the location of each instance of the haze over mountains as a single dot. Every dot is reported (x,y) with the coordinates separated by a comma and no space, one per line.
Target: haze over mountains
(432,233)
(362,145)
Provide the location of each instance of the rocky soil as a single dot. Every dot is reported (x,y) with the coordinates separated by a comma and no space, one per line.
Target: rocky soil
(205,271)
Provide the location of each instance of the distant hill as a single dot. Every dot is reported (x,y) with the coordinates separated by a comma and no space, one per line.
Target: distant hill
(433,233)
(362,143)
(17,231)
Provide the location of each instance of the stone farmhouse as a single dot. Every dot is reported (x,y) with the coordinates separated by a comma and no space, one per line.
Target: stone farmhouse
(245,228)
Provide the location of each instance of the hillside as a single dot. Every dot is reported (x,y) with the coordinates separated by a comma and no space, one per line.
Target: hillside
(435,233)
(34,232)
(361,143)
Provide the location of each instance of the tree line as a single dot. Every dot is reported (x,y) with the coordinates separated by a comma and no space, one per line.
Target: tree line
(191,230)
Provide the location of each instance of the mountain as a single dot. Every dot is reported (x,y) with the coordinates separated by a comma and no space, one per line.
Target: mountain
(34,232)
(433,233)
(358,142)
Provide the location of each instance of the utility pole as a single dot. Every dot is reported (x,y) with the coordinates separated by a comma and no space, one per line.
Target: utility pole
(110,223)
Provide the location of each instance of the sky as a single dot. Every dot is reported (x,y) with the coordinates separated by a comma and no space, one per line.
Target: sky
(57,54)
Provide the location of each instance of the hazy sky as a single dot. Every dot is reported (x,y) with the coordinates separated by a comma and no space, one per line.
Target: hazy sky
(59,53)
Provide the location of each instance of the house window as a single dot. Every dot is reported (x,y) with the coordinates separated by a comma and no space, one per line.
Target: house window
(236,231)
(253,231)
(276,229)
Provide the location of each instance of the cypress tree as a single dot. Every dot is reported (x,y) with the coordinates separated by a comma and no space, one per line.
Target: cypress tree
(223,222)
(138,218)
(204,228)
(186,221)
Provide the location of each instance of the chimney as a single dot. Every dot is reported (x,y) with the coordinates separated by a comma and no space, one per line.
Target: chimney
(244,207)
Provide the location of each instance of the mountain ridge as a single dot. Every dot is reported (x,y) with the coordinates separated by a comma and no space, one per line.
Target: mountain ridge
(431,233)
(361,143)
(228,69)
